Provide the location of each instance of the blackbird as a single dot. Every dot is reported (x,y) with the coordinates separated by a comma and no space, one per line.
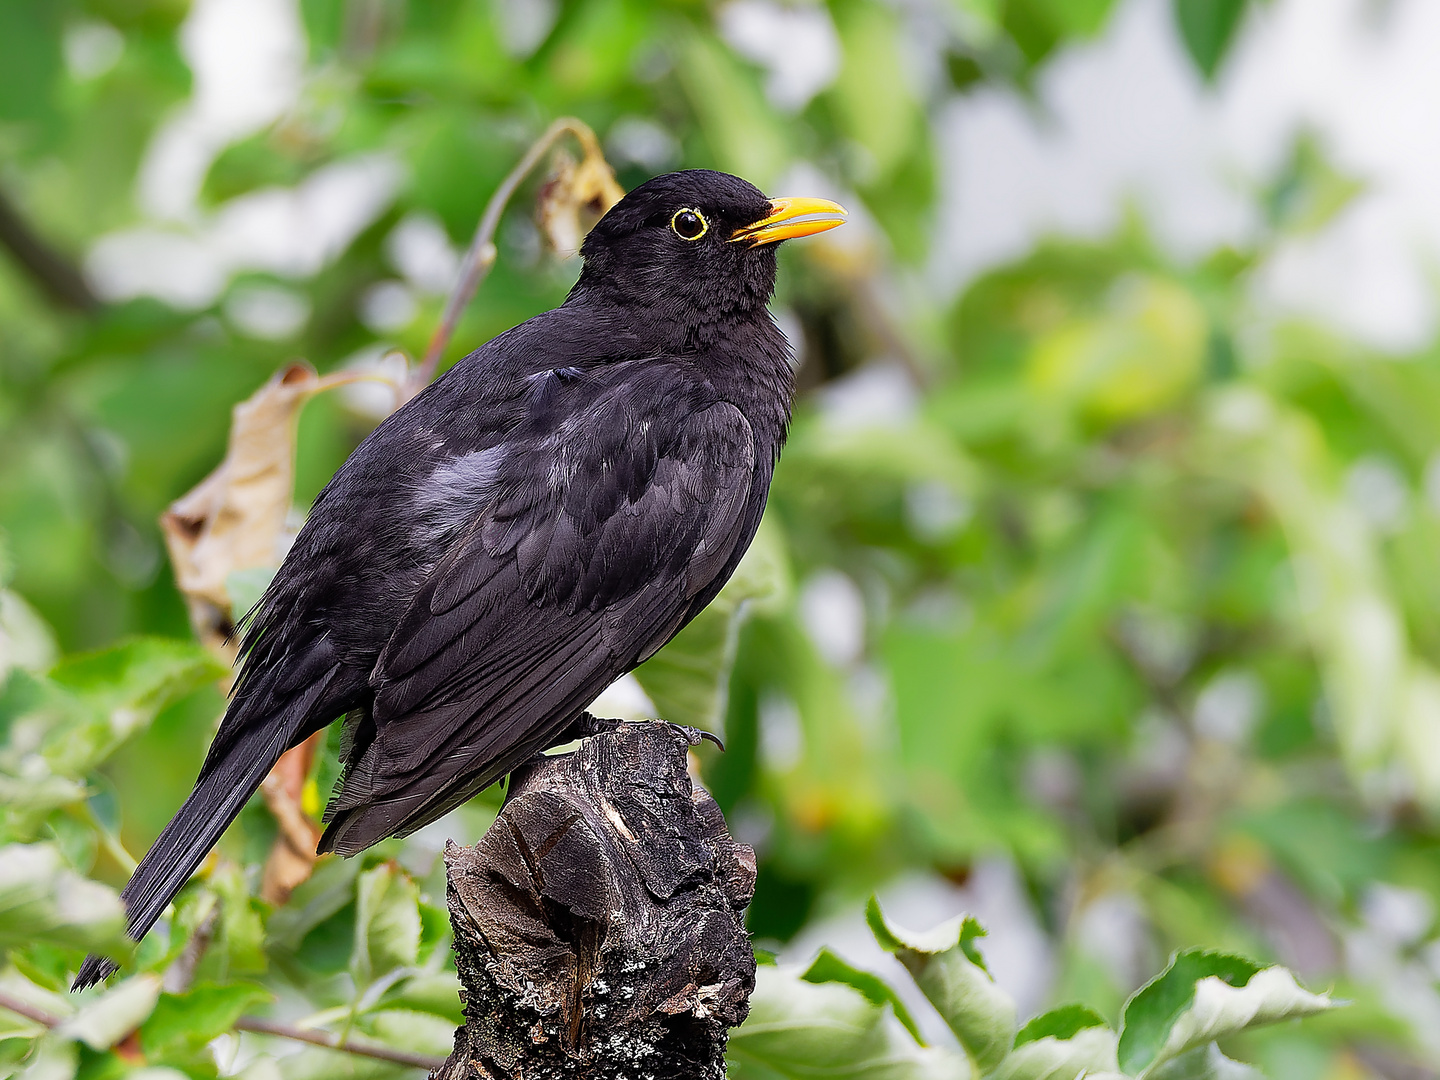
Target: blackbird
(540,520)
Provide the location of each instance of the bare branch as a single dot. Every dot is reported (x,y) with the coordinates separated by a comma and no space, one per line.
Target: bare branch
(599,924)
(60,279)
(257,1026)
(480,256)
(25,1009)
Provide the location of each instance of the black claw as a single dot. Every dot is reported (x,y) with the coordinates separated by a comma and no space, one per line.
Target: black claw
(587,725)
(695,736)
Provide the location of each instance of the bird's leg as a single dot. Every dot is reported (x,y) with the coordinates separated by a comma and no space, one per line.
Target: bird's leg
(586,725)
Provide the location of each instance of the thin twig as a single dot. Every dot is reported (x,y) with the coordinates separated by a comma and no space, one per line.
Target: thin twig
(181,972)
(480,256)
(25,1009)
(258,1026)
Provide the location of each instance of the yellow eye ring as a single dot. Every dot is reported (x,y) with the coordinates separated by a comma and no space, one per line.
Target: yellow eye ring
(692,217)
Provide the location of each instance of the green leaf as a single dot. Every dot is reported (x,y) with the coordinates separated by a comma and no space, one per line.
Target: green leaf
(42,899)
(828,967)
(1203,996)
(239,945)
(121,689)
(436,992)
(325,892)
(951,973)
(1138,358)
(29,58)
(1061,1023)
(54,1058)
(1207,27)
(103,1021)
(387,923)
(1078,18)
(1153,1010)
(1089,1052)
(189,1021)
(16,985)
(408,1029)
(801,1030)
(1205,1063)
(25,640)
(687,679)
(1309,191)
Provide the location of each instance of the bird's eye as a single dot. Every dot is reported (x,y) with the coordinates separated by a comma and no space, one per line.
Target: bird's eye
(689,224)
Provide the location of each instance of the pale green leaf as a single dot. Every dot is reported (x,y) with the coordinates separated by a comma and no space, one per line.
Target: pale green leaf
(408,1029)
(1153,1010)
(873,97)
(1087,1052)
(326,891)
(1220,1009)
(387,923)
(740,126)
(1202,996)
(55,1058)
(115,1013)
(951,973)
(25,640)
(801,1030)
(239,946)
(42,899)
(245,587)
(111,695)
(829,967)
(1205,1063)
(433,992)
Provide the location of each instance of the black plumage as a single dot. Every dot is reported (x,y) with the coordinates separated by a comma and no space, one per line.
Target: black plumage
(536,523)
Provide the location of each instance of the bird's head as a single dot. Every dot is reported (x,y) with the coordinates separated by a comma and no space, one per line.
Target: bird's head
(696,247)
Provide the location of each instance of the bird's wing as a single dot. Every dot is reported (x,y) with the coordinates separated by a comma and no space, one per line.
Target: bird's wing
(588,551)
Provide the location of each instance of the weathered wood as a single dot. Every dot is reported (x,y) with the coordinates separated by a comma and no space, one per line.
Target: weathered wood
(598,924)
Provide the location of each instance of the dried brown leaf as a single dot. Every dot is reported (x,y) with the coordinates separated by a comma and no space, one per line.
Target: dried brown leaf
(235,519)
(574,197)
(292,857)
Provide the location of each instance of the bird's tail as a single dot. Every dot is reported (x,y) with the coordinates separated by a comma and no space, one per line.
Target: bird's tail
(221,792)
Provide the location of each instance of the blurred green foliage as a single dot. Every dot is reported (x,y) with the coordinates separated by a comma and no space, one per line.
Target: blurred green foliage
(1124,594)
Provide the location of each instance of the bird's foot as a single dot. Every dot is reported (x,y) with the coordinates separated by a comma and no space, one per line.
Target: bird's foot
(695,736)
(586,725)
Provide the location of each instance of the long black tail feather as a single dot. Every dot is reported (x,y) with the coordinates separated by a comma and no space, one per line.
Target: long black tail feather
(220,794)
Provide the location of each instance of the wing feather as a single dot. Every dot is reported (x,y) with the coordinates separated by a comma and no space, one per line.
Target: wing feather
(588,553)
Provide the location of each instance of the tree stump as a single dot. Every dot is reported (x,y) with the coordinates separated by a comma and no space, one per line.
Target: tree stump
(598,924)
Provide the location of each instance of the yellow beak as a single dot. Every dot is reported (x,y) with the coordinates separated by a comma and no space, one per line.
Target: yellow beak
(790,218)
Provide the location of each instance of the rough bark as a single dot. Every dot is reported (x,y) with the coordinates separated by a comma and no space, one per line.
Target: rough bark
(598,924)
